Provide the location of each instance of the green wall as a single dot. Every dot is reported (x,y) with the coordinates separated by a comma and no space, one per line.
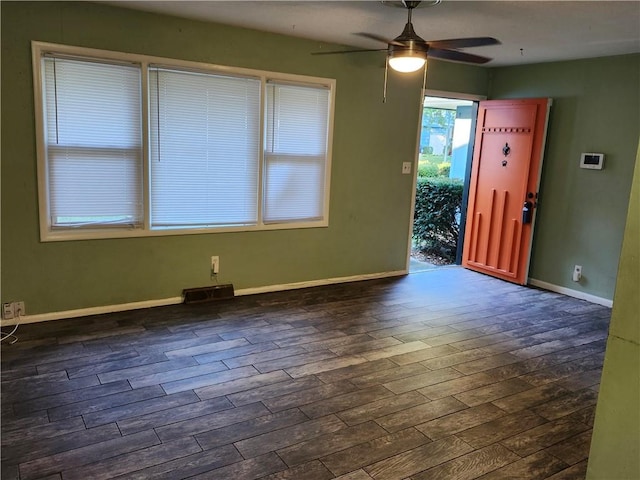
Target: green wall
(370,198)
(615,447)
(582,213)
(581,216)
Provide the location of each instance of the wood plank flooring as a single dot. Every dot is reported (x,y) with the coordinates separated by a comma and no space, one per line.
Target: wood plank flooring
(446,374)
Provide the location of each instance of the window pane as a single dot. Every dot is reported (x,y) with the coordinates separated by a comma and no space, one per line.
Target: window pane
(94,154)
(204,149)
(295,188)
(295,160)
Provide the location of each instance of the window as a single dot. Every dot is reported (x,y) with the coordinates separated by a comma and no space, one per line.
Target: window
(94,143)
(205,149)
(131,145)
(296,152)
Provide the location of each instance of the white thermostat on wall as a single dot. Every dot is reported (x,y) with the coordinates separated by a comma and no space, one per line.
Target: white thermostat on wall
(593,161)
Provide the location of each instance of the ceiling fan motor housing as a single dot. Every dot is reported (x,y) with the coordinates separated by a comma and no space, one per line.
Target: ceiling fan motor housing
(408,44)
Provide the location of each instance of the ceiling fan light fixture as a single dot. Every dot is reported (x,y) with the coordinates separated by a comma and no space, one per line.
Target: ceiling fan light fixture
(407,63)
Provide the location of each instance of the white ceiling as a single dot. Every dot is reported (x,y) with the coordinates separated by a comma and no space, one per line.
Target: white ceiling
(530,31)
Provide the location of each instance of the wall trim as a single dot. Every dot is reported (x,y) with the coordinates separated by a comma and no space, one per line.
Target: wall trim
(318,283)
(427,92)
(83,312)
(571,293)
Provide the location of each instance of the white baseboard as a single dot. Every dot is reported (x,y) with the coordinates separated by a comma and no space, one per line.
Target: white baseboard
(317,283)
(571,293)
(82,312)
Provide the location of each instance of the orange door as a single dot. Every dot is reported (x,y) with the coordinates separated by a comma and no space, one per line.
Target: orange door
(505,175)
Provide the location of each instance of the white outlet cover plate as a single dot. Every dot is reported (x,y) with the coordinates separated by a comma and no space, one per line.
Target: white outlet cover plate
(7,311)
(406,168)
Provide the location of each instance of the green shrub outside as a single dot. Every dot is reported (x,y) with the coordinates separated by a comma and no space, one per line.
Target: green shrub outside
(435,228)
(432,170)
(444,169)
(428,170)
(428,150)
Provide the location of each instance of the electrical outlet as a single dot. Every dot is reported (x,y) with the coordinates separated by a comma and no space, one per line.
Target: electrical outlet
(406,168)
(215,264)
(18,309)
(577,273)
(7,310)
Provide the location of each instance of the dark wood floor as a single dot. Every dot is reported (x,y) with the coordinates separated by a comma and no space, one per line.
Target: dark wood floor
(445,374)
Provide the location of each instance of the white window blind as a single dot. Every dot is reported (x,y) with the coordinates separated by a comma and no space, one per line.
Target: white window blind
(205,140)
(296,152)
(93,142)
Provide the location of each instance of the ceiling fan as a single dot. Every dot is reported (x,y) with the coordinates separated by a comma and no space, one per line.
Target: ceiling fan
(408,52)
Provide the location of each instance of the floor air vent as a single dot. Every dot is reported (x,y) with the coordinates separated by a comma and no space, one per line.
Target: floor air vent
(208,294)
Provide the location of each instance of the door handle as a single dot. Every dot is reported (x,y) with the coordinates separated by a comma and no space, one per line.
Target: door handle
(527,212)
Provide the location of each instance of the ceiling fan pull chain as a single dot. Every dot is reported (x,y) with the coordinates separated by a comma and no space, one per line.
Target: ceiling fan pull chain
(386,74)
(424,80)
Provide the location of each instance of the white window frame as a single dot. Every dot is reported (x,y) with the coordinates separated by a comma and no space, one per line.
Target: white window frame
(47,233)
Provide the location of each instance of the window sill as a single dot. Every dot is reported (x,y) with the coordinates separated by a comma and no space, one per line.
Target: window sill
(114,233)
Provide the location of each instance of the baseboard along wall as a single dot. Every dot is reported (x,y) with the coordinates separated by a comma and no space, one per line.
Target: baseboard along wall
(82,312)
(605,302)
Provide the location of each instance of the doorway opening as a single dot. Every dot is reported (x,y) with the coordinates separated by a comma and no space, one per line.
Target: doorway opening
(444,165)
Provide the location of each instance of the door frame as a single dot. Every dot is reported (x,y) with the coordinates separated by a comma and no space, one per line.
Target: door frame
(467,176)
(467,182)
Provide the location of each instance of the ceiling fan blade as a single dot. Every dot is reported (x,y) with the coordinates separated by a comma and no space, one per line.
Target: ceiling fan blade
(349,51)
(379,38)
(455,56)
(464,42)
